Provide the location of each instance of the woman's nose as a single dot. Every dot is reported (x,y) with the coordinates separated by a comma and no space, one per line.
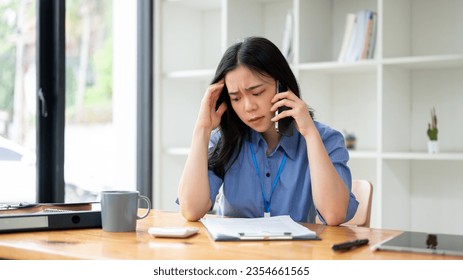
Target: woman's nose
(249,105)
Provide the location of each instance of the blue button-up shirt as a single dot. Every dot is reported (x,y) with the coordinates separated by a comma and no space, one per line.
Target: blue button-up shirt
(241,195)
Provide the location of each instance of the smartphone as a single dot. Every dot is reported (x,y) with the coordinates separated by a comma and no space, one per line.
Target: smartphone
(285,125)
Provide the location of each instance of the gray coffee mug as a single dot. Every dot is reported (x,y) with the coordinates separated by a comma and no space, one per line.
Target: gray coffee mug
(119,210)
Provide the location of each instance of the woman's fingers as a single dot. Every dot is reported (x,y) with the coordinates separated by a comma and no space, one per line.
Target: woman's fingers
(222,108)
(298,109)
(210,114)
(213,93)
(283,95)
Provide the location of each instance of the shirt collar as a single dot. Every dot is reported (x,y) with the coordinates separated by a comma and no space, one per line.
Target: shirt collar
(288,144)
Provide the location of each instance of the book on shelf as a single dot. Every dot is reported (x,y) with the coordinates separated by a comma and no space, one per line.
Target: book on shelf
(372,41)
(348,29)
(359,36)
(287,46)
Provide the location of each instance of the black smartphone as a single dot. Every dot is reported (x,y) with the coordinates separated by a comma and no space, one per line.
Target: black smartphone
(285,125)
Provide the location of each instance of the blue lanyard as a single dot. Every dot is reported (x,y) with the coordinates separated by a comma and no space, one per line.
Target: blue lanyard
(275,181)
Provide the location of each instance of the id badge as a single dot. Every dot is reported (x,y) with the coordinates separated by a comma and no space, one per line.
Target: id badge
(266,214)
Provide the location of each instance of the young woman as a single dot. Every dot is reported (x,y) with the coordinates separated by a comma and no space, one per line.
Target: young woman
(262,173)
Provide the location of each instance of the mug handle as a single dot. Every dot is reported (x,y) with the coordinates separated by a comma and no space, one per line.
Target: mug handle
(148,209)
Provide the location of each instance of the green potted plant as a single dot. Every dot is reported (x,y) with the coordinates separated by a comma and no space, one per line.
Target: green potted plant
(433,144)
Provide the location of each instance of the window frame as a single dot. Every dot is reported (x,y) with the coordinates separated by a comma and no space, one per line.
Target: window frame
(50,100)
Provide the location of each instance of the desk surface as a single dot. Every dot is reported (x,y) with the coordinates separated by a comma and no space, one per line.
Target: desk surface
(98,244)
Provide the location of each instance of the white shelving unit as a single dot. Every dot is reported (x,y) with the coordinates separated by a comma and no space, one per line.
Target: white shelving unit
(385,101)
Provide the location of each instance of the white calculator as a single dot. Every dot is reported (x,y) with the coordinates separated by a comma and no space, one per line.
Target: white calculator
(173,232)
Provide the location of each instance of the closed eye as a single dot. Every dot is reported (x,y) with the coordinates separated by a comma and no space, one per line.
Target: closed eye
(234,97)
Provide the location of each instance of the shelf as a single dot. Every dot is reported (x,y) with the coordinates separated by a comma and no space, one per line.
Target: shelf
(191,74)
(364,66)
(423,156)
(180,151)
(418,62)
(363,154)
(183,151)
(385,101)
(200,5)
(426,62)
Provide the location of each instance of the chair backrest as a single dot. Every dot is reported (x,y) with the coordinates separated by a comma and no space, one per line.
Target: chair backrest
(363,191)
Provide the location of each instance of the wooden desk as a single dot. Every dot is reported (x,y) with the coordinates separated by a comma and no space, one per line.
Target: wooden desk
(98,244)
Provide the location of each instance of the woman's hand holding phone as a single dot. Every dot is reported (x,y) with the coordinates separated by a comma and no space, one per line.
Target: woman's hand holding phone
(296,112)
(284,126)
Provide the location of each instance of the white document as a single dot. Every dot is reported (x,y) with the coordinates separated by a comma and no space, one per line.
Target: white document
(269,228)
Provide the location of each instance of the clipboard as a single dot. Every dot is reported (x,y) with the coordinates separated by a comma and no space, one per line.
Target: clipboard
(50,216)
(248,229)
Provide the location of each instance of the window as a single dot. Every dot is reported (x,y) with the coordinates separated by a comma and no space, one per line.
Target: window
(87,92)
(101,94)
(17,100)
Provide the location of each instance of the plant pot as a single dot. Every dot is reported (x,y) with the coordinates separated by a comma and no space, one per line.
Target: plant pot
(433,146)
(350,144)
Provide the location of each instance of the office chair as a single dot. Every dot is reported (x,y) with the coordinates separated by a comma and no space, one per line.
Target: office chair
(363,191)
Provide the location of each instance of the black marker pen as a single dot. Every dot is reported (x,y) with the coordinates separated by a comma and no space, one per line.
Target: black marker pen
(349,245)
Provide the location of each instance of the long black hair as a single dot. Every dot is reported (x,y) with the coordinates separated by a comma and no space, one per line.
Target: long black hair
(263,57)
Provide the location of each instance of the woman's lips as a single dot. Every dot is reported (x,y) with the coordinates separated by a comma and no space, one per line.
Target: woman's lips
(255,119)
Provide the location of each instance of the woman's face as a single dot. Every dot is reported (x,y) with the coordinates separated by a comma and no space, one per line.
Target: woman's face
(250,96)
